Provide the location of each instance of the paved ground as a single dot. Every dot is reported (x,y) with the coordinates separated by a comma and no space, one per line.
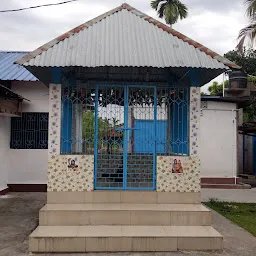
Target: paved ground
(231,195)
(19,216)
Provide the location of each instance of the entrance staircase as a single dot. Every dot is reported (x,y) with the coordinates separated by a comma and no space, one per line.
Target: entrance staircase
(124,221)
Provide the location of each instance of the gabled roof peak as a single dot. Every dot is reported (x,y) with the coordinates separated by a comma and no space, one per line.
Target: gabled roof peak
(26,59)
(126,6)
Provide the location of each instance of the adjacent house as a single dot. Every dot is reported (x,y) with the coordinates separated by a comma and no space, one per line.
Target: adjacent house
(24,141)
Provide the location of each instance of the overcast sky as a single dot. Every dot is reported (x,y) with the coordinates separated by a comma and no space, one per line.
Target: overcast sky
(213,23)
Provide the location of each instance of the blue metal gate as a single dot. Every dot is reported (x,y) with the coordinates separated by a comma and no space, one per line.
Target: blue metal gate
(125,127)
(117,164)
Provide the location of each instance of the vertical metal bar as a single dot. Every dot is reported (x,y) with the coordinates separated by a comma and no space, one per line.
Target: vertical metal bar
(96,135)
(155,133)
(183,136)
(173,123)
(178,122)
(125,151)
(188,120)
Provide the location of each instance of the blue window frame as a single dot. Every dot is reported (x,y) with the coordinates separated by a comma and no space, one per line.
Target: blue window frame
(79,123)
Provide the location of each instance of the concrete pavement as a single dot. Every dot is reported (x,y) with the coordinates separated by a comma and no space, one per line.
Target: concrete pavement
(230,195)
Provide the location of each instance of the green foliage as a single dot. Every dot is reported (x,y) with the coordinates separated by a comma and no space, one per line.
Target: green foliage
(246,60)
(170,10)
(252,79)
(250,113)
(217,89)
(213,200)
(88,126)
(243,214)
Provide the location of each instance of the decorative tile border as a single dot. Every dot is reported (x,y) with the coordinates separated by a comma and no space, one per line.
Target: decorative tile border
(187,181)
(54,119)
(65,173)
(194,120)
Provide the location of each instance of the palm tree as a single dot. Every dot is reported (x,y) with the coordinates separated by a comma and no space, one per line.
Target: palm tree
(249,32)
(171,10)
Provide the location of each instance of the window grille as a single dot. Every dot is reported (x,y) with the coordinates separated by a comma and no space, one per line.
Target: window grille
(30,131)
(78,119)
(173,118)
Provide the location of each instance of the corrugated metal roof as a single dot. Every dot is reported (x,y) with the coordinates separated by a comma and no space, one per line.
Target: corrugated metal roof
(125,37)
(11,71)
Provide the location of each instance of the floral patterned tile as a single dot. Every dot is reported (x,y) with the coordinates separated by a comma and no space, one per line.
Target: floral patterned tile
(169,179)
(54,119)
(195,98)
(71,173)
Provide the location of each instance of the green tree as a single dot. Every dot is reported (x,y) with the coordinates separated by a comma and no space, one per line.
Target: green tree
(249,32)
(88,127)
(246,59)
(115,121)
(250,113)
(216,89)
(170,10)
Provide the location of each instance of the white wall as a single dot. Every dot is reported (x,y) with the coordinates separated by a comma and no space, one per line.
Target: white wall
(218,136)
(36,92)
(29,166)
(4,145)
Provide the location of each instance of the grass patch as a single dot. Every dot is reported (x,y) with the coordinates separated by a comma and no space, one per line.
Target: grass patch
(243,214)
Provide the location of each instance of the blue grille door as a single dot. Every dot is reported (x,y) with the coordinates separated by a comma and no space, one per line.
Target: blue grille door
(118,165)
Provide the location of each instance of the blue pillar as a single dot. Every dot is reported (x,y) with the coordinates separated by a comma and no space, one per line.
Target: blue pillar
(56,75)
(194,77)
(66,127)
(67,116)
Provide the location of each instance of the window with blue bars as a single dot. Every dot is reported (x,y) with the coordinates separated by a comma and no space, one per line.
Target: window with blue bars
(171,120)
(30,131)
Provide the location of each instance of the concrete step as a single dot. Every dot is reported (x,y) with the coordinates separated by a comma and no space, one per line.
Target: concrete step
(127,197)
(125,214)
(68,239)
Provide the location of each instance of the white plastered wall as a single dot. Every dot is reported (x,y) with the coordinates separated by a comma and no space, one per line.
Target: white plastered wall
(218,140)
(4,146)
(29,166)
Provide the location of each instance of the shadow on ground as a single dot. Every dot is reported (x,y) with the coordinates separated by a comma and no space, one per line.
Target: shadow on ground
(19,217)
